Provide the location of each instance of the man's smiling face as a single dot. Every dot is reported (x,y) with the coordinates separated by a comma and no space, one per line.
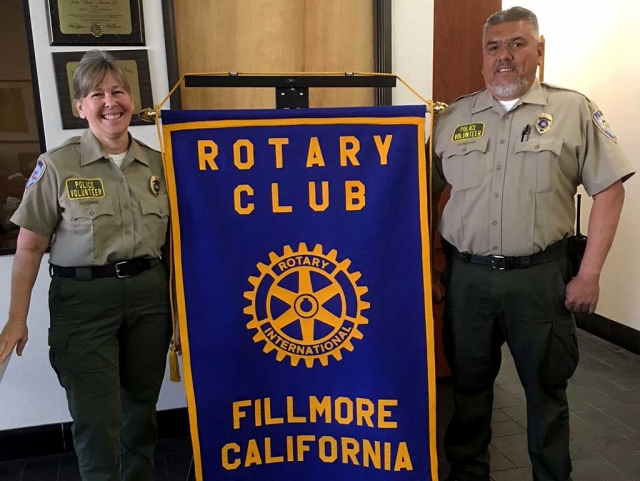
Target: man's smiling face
(511,54)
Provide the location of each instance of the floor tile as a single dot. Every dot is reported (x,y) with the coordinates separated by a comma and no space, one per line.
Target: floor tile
(177,466)
(624,461)
(160,470)
(626,397)
(633,475)
(616,443)
(627,415)
(514,448)
(589,394)
(42,469)
(512,387)
(518,414)
(596,469)
(499,461)
(577,405)
(581,445)
(499,415)
(69,474)
(592,416)
(502,399)
(521,474)
(12,470)
(506,428)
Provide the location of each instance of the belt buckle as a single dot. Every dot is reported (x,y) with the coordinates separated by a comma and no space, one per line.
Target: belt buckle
(498,262)
(117,267)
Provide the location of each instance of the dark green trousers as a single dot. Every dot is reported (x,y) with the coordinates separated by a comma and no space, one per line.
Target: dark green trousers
(525,308)
(108,343)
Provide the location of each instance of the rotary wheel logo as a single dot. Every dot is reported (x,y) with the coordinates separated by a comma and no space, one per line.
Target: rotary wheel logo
(306,305)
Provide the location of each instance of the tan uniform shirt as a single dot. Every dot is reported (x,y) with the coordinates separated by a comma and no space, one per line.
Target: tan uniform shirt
(96,212)
(513,192)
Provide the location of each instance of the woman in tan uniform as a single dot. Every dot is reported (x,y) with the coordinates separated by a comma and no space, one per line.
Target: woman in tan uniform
(100,202)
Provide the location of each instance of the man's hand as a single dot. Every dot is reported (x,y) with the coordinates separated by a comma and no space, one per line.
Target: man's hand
(15,333)
(583,293)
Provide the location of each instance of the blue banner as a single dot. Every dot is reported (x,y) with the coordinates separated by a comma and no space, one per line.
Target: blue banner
(301,249)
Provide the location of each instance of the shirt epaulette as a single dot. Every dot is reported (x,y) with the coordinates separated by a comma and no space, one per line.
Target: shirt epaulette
(558,87)
(66,143)
(142,144)
(468,95)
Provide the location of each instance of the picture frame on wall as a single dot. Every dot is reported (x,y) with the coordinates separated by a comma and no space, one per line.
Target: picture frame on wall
(95,22)
(135,64)
(17,162)
(18,124)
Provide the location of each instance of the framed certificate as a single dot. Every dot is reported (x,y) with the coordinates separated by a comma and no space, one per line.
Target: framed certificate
(95,22)
(135,64)
(19,123)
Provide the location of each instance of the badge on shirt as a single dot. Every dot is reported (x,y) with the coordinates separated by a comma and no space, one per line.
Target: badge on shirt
(154,183)
(468,131)
(543,124)
(37,173)
(81,189)
(603,125)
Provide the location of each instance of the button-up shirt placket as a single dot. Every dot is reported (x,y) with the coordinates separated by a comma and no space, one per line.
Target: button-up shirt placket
(501,139)
(124,200)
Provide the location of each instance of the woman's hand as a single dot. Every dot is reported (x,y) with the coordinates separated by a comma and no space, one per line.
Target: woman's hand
(26,262)
(15,334)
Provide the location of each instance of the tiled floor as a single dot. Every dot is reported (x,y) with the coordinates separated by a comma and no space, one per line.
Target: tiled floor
(604,396)
(604,399)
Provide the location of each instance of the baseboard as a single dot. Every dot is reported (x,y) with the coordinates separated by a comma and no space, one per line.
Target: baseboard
(623,336)
(56,438)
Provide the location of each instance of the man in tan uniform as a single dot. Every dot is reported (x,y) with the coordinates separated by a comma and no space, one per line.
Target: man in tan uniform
(514,155)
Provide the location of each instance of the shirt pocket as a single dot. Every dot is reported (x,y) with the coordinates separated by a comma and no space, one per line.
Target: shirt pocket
(155,218)
(93,225)
(537,164)
(464,164)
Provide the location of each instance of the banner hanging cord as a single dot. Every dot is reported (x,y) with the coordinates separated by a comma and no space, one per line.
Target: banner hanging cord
(174,368)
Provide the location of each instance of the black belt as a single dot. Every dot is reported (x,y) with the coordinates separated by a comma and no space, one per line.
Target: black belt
(551,253)
(116,269)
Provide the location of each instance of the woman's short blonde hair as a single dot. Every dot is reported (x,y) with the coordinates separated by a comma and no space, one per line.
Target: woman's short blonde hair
(94,65)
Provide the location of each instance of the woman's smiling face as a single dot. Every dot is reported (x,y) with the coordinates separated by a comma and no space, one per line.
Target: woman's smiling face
(108,109)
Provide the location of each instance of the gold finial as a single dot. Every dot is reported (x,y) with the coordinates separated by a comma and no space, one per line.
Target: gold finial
(439,108)
(148,115)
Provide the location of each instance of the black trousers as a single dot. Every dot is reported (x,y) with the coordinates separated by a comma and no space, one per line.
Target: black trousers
(108,343)
(524,307)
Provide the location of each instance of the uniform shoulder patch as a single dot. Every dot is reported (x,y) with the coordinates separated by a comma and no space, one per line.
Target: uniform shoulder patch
(559,87)
(66,143)
(142,144)
(468,95)
(603,125)
(41,166)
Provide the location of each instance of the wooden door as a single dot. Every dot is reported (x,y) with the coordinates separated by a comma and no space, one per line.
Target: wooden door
(457,63)
(273,36)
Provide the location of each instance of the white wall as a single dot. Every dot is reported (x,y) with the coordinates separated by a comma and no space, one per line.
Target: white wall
(592,48)
(29,393)
(412,49)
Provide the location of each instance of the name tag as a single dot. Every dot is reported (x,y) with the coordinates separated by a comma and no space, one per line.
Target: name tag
(468,131)
(80,189)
